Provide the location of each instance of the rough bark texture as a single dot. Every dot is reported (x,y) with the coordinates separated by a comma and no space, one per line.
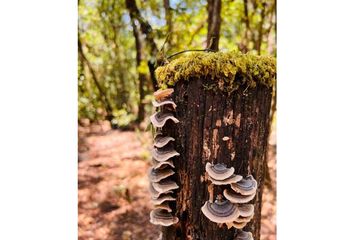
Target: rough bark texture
(205,118)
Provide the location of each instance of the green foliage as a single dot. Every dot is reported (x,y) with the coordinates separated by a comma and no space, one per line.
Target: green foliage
(108,44)
(229,70)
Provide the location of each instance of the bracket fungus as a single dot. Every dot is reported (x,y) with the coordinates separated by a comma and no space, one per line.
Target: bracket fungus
(164,103)
(161,141)
(162,217)
(161,187)
(220,211)
(235,197)
(232,211)
(165,185)
(237,225)
(246,186)
(244,219)
(246,214)
(160,165)
(156,194)
(164,206)
(156,175)
(162,198)
(159,119)
(219,171)
(163,94)
(243,235)
(232,179)
(246,210)
(163,154)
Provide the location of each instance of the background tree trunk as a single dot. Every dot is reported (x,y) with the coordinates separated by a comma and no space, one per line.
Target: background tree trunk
(169,23)
(147,30)
(142,76)
(206,117)
(214,22)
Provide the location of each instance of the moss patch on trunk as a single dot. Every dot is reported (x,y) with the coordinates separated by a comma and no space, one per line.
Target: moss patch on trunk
(229,70)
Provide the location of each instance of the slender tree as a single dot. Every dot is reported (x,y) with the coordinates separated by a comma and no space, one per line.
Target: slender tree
(214,23)
(147,30)
(142,76)
(102,94)
(169,23)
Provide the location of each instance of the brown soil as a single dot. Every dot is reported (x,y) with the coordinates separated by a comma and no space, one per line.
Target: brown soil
(114,201)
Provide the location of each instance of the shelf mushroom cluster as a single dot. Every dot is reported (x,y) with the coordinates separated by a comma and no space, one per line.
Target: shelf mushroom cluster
(162,186)
(232,207)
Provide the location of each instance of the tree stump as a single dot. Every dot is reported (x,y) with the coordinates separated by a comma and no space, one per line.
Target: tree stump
(223,119)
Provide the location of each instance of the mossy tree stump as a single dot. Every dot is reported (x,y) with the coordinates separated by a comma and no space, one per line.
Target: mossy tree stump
(223,104)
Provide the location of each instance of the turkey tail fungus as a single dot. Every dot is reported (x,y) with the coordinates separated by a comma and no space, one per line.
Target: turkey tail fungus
(161,174)
(220,174)
(221,116)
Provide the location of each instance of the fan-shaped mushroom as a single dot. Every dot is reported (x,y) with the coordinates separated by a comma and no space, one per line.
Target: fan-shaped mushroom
(162,217)
(241,219)
(162,198)
(161,141)
(163,154)
(163,103)
(232,179)
(246,210)
(165,185)
(246,186)
(156,175)
(164,206)
(159,119)
(220,211)
(242,235)
(246,214)
(156,194)
(235,197)
(163,94)
(161,165)
(219,171)
(237,225)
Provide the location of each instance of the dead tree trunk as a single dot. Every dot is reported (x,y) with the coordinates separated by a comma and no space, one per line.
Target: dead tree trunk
(217,127)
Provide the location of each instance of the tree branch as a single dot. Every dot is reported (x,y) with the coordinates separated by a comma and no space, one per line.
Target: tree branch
(103,96)
(146,28)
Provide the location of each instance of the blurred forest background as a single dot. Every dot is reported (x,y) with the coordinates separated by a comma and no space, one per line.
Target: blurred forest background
(119,44)
(120,39)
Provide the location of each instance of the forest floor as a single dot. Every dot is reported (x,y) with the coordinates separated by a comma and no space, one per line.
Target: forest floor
(113,195)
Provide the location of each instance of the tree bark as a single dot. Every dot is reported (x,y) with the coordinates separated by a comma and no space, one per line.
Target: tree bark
(206,117)
(214,22)
(142,76)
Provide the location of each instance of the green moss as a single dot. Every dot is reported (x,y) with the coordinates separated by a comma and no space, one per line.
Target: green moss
(228,70)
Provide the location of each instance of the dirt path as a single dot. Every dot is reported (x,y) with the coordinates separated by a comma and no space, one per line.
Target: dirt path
(114,201)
